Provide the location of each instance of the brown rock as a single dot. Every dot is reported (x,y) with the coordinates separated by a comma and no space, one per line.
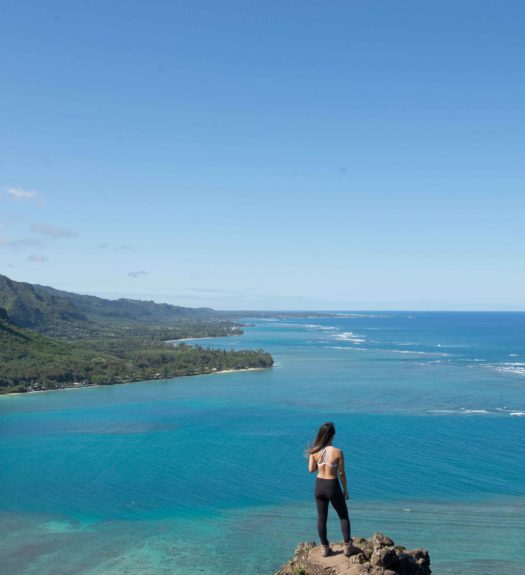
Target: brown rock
(385,557)
(422,557)
(379,556)
(380,540)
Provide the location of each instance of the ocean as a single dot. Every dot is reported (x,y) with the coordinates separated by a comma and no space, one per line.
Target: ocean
(207,474)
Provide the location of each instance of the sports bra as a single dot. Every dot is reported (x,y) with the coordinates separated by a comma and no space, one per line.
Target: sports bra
(325,458)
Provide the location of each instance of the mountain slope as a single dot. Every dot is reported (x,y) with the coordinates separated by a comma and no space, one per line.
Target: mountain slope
(51,311)
(30,307)
(100,309)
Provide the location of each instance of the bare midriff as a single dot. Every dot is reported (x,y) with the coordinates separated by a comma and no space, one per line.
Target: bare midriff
(327,473)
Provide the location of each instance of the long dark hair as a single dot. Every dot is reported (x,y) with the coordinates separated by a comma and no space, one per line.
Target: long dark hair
(324,436)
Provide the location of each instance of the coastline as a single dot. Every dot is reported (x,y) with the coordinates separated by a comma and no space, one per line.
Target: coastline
(204,337)
(196,338)
(84,386)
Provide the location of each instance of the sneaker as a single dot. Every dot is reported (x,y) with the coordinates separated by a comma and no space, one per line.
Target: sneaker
(326,550)
(350,549)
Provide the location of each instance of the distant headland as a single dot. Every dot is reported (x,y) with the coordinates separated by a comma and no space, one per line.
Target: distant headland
(53,339)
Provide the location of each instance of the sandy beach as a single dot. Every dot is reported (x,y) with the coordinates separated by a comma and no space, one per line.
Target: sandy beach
(73,387)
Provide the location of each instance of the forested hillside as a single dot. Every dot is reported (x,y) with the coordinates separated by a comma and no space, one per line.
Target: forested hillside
(30,361)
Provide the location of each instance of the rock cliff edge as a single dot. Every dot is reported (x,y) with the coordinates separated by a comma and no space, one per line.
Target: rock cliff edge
(379,556)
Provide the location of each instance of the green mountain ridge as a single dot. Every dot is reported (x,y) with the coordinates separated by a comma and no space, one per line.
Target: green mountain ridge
(66,314)
(97,309)
(29,307)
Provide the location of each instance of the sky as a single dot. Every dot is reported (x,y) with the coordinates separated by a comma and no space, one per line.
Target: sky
(357,154)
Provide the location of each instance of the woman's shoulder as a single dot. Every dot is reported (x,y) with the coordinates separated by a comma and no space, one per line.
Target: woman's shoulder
(337,450)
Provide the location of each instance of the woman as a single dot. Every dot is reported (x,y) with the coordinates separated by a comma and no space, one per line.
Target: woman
(328,461)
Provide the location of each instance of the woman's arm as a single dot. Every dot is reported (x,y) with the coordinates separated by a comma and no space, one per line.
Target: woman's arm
(312,464)
(342,474)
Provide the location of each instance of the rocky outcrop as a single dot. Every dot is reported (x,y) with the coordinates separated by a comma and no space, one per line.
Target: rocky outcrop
(378,556)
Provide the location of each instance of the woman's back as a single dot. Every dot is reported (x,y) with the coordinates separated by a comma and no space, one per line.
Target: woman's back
(327,460)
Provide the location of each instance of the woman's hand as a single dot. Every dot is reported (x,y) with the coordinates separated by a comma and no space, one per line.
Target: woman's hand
(346,495)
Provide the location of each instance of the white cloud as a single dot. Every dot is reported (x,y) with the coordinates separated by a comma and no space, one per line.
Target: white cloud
(21,243)
(37,258)
(21,194)
(137,274)
(51,231)
(107,245)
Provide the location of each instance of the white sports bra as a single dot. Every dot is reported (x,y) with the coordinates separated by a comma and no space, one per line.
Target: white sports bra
(324,458)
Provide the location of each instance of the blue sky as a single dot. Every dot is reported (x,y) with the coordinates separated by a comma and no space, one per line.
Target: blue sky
(270,155)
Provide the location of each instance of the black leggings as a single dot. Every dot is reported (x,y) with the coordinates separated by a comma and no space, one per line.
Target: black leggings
(329,491)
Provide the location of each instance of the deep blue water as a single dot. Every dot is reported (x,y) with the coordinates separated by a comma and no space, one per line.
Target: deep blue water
(203,474)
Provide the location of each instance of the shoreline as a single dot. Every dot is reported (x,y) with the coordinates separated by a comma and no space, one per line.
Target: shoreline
(204,337)
(196,338)
(85,386)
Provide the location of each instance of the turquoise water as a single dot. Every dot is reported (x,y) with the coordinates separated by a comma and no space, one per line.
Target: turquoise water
(206,474)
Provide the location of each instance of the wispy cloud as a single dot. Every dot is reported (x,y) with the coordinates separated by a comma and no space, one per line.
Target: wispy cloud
(39,258)
(21,194)
(137,274)
(51,231)
(107,245)
(21,243)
